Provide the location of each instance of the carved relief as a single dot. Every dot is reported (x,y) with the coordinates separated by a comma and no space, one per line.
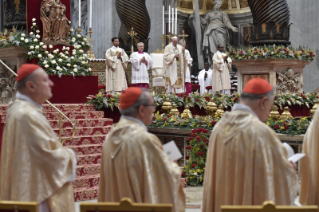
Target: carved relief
(288,81)
(246,35)
(7,85)
(243,3)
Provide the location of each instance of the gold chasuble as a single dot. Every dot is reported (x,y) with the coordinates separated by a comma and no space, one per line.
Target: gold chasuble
(34,165)
(246,165)
(134,165)
(309,170)
(174,70)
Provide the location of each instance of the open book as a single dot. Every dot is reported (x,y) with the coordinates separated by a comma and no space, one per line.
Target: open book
(291,154)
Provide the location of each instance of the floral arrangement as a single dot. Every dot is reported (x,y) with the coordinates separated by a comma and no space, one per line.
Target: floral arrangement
(104,100)
(180,100)
(295,99)
(12,37)
(271,52)
(292,127)
(79,40)
(196,157)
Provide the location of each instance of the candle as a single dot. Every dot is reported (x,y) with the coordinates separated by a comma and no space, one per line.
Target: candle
(169,18)
(173,25)
(90,13)
(79,13)
(163,19)
(176,20)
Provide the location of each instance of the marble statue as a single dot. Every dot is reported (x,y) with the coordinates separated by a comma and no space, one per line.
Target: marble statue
(215,27)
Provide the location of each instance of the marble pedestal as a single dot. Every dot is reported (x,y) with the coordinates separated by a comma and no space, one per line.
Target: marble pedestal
(268,67)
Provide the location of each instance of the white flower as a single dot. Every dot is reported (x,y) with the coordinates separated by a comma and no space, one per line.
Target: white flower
(55,51)
(44,46)
(37,36)
(53,62)
(29,53)
(33,19)
(31,33)
(46,66)
(46,52)
(37,47)
(195,173)
(85,39)
(50,46)
(71,29)
(22,38)
(41,43)
(66,52)
(22,34)
(50,56)
(60,60)
(75,70)
(39,55)
(72,58)
(26,40)
(63,48)
(81,51)
(90,69)
(45,62)
(85,55)
(81,58)
(74,53)
(83,62)
(82,43)
(58,68)
(68,48)
(38,31)
(34,24)
(35,40)
(69,22)
(78,35)
(31,47)
(74,66)
(68,64)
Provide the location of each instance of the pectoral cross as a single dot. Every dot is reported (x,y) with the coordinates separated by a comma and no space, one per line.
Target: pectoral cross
(132,33)
(183,36)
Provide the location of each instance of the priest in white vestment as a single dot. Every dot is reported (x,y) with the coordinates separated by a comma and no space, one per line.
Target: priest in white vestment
(189,60)
(174,67)
(221,66)
(205,79)
(116,62)
(141,63)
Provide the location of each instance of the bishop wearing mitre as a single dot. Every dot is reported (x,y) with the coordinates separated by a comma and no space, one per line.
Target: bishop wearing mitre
(116,63)
(35,167)
(174,67)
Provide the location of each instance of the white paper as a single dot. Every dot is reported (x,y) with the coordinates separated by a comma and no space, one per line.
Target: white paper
(296,157)
(172,150)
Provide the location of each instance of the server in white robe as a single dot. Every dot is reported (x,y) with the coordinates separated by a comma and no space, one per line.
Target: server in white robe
(205,79)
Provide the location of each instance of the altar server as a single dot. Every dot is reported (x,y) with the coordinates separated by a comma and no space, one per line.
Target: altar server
(205,78)
(246,162)
(35,167)
(189,61)
(141,63)
(133,162)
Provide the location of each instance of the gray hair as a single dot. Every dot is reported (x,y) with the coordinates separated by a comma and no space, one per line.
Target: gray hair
(249,96)
(140,43)
(22,83)
(174,38)
(142,100)
(182,41)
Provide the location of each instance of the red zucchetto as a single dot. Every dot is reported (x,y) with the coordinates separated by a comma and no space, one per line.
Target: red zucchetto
(129,97)
(25,70)
(257,86)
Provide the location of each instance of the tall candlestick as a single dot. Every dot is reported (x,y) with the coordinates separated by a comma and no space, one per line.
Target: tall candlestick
(90,13)
(163,19)
(169,18)
(176,20)
(79,13)
(173,25)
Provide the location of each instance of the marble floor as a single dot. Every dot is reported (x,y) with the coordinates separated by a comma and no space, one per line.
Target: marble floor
(194,197)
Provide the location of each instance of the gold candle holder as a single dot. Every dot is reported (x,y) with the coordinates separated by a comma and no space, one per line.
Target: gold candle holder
(90,52)
(80,30)
(163,42)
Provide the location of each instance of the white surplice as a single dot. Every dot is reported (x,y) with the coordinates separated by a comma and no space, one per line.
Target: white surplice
(139,69)
(205,82)
(221,77)
(189,64)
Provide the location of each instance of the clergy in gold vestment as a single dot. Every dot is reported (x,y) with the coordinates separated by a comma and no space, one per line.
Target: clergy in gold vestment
(133,162)
(34,165)
(174,67)
(221,66)
(246,162)
(116,62)
(309,167)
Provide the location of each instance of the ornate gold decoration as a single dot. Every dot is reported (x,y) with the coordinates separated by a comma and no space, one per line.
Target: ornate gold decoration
(313,110)
(211,107)
(274,114)
(183,36)
(187,112)
(167,106)
(159,51)
(286,115)
(288,81)
(56,26)
(17,3)
(220,112)
(174,111)
(91,53)
(163,43)
(132,33)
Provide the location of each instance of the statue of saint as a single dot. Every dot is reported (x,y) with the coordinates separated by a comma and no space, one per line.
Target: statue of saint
(56,26)
(216,24)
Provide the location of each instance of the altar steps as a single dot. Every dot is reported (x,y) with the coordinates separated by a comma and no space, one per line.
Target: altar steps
(91,129)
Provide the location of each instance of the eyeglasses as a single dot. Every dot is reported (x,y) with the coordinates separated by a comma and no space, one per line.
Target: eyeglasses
(151,105)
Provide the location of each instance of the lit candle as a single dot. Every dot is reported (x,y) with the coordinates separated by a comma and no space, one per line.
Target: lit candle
(173,25)
(79,13)
(90,13)
(169,18)
(176,20)
(163,19)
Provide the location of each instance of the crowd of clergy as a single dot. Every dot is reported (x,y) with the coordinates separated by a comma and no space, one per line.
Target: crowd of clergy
(246,162)
(176,68)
